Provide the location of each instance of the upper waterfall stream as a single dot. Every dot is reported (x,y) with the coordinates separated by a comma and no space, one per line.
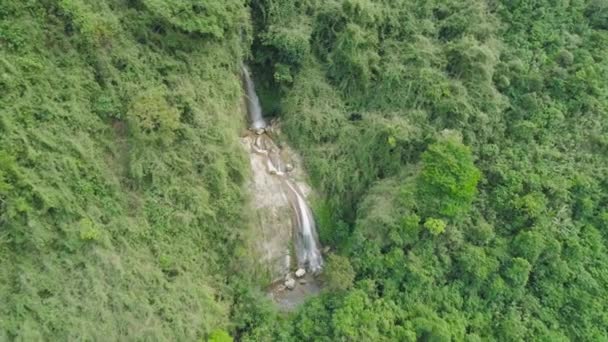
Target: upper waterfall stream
(253,102)
(305,240)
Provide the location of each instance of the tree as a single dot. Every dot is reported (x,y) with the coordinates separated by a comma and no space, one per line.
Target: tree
(435,226)
(518,272)
(339,273)
(447,184)
(219,335)
(528,245)
(476,263)
(597,13)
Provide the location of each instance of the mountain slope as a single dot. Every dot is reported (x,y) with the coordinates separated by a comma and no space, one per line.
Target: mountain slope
(120,170)
(461,147)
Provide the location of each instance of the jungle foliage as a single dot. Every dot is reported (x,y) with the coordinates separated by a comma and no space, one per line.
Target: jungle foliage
(121,206)
(460,149)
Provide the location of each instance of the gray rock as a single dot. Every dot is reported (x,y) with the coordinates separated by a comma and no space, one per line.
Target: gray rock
(290,283)
(300,273)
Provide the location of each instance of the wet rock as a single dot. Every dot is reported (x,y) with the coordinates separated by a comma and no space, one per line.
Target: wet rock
(259,142)
(290,283)
(303,282)
(288,167)
(260,131)
(326,250)
(300,273)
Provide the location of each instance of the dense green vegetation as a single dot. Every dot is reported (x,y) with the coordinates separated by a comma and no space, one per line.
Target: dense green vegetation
(460,149)
(120,172)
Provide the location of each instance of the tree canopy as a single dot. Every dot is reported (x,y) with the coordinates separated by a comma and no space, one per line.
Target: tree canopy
(458,150)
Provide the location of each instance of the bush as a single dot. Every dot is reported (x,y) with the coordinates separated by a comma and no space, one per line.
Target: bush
(291,41)
(96,29)
(435,226)
(339,273)
(88,231)
(219,335)
(215,17)
(151,117)
(354,59)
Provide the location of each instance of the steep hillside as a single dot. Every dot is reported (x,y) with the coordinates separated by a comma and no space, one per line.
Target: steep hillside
(462,150)
(120,168)
(459,150)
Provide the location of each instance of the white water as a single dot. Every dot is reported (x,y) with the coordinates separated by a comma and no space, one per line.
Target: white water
(253,102)
(307,250)
(306,241)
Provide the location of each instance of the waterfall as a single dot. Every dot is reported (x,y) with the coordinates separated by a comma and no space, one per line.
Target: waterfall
(307,247)
(253,102)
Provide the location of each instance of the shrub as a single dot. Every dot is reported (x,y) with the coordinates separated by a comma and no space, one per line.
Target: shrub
(151,118)
(435,226)
(354,58)
(291,41)
(213,17)
(219,335)
(97,29)
(339,273)
(88,231)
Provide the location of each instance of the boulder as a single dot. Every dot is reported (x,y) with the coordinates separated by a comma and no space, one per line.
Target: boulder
(300,272)
(290,283)
(288,167)
(260,131)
